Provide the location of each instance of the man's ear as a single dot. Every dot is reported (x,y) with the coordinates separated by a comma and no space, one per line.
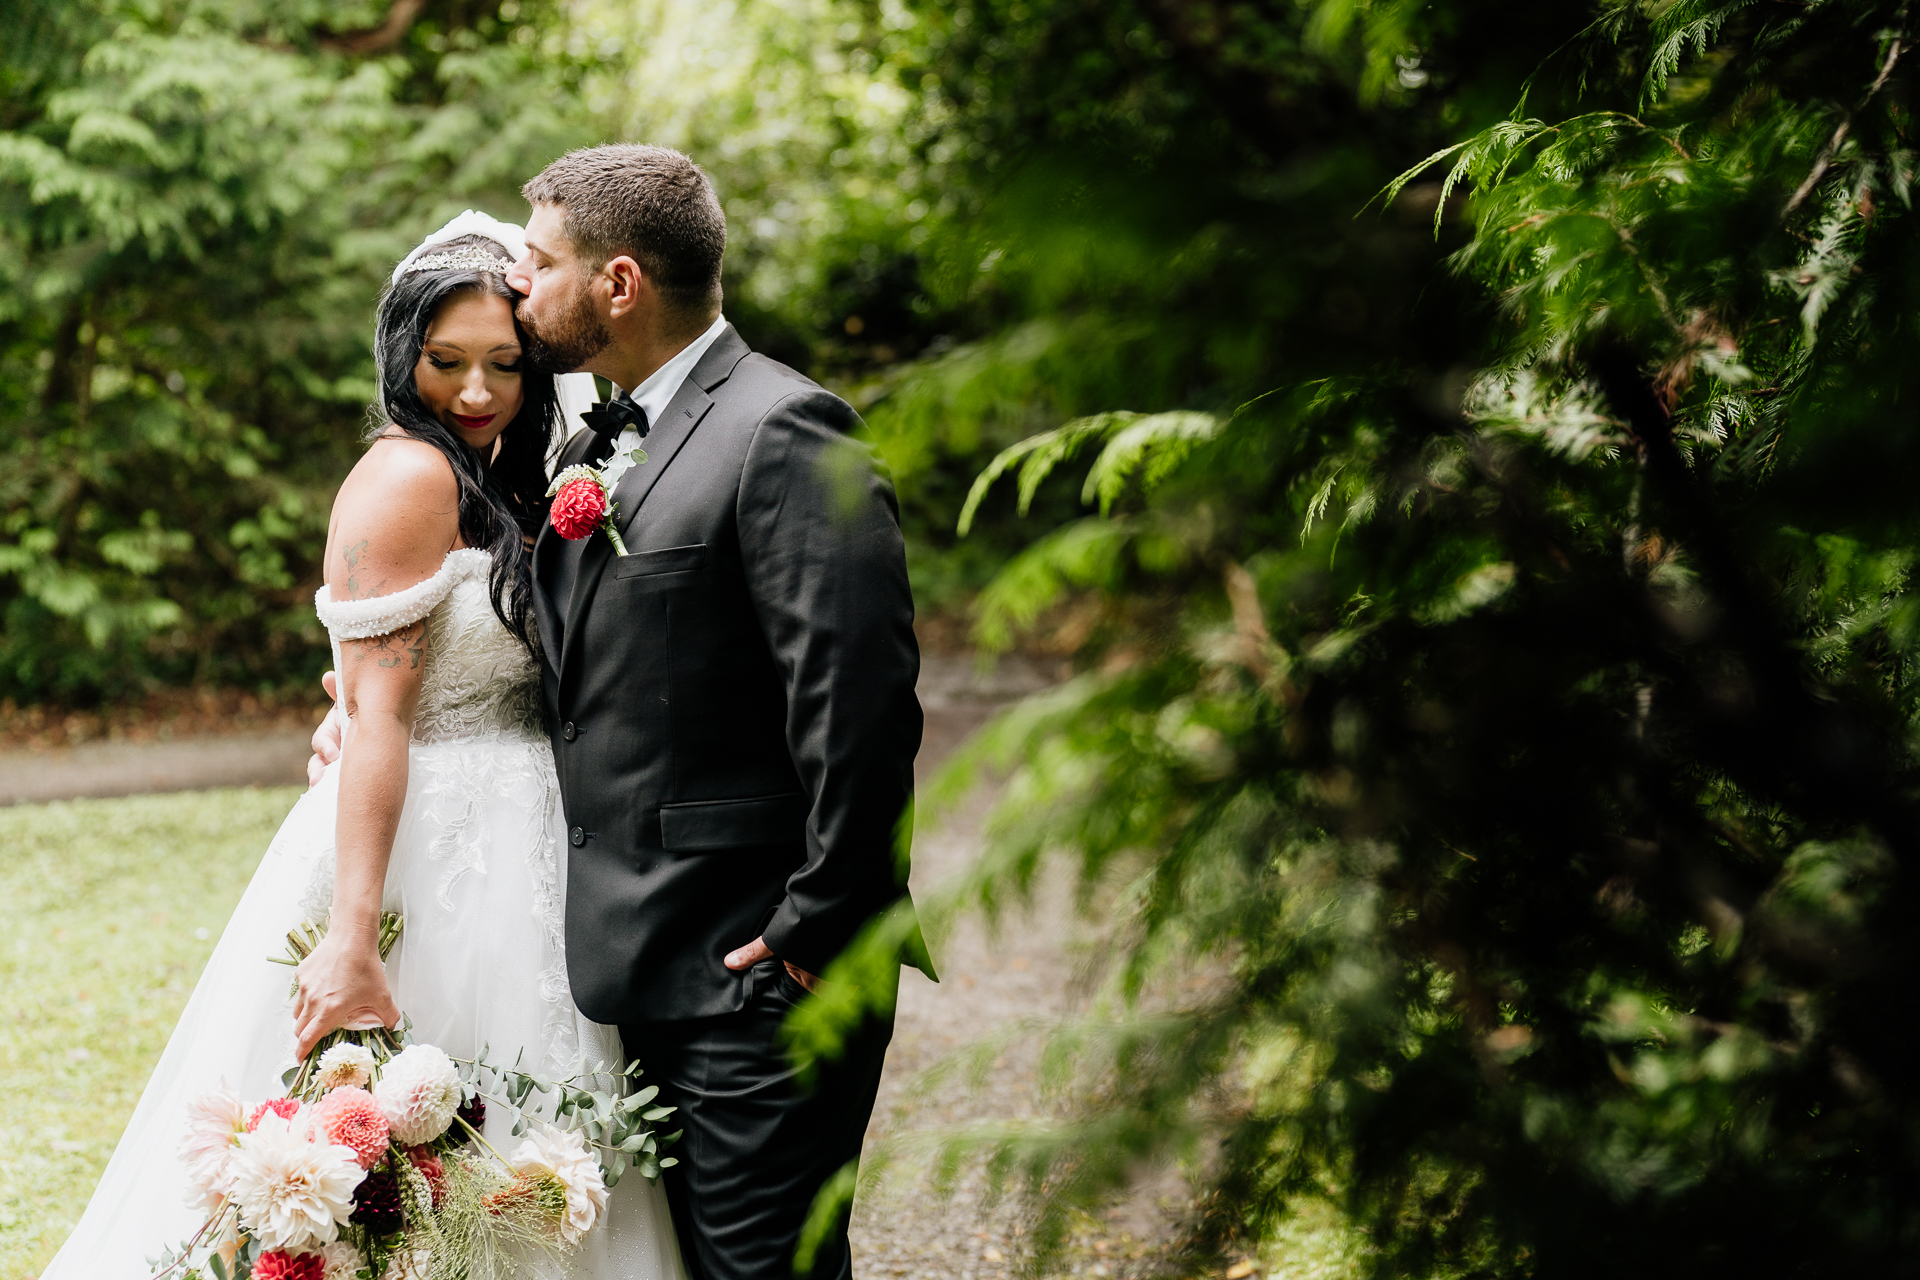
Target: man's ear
(626,283)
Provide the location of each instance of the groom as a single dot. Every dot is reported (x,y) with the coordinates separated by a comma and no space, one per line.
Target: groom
(732,701)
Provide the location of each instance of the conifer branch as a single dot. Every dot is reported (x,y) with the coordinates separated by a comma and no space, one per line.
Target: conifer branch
(1824,160)
(1797,737)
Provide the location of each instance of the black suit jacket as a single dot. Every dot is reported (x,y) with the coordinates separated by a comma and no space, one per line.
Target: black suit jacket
(732,702)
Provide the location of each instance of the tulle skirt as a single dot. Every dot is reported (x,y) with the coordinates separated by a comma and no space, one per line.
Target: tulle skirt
(479,875)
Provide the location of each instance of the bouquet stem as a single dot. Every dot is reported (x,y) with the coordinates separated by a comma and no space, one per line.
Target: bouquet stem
(302,940)
(481,1138)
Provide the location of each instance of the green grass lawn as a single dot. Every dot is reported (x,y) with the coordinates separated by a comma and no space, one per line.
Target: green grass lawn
(108,911)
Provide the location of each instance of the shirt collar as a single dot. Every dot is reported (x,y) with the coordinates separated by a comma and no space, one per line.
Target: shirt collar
(658,391)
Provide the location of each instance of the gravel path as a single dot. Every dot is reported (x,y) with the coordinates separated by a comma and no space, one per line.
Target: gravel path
(1025,969)
(276,758)
(271,750)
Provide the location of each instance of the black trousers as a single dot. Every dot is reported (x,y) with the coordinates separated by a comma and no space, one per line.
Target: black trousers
(757,1145)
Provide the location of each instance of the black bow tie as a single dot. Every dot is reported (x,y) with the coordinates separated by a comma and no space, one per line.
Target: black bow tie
(612,417)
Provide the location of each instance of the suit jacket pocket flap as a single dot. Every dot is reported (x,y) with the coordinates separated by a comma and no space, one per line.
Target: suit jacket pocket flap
(732,824)
(642,564)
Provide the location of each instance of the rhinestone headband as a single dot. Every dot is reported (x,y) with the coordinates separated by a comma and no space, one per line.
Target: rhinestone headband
(470,258)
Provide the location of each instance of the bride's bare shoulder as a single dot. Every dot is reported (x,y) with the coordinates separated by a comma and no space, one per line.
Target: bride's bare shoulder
(394,520)
(396,466)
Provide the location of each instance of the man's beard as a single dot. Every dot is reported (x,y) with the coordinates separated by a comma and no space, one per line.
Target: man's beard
(564,345)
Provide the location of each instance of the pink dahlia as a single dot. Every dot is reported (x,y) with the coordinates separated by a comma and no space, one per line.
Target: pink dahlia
(276,1264)
(285,1108)
(349,1117)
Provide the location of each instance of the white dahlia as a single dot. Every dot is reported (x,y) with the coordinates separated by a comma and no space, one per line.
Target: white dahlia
(419,1090)
(340,1261)
(292,1192)
(567,1157)
(346,1066)
(409,1264)
(213,1123)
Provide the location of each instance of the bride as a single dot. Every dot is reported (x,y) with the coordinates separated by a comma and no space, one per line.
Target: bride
(444,806)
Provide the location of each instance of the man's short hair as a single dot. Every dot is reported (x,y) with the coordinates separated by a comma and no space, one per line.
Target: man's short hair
(653,204)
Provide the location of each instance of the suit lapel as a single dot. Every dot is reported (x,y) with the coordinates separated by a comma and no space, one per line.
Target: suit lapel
(663,444)
(548,547)
(683,413)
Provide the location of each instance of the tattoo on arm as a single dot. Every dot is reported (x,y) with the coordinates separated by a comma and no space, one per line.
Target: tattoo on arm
(403,648)
(356,589)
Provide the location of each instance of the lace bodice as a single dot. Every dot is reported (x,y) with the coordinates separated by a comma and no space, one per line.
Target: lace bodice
(482,790)
(479,681)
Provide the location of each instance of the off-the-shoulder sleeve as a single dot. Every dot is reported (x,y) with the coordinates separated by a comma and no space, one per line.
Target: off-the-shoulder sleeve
(383,615)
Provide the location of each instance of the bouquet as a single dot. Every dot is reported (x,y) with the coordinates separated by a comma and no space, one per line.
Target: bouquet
(372,1165)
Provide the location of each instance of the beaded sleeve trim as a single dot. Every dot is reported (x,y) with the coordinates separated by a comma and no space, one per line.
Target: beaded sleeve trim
(382,615)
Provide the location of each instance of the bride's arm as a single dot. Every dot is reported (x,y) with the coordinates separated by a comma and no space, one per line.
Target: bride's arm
(394,521)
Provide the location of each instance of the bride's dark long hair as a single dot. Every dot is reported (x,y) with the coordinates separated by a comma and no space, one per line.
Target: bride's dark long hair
(500,499)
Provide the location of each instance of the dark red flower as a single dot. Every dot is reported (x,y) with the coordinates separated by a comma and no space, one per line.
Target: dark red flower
(578,508)
(474,1112)
(377,1205)
(275,1265)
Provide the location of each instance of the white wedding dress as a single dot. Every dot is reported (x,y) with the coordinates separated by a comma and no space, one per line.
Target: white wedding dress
(477,874)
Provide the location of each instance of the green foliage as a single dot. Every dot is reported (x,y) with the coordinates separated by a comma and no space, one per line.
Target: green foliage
(196,206)
(1495,752)
(199,202)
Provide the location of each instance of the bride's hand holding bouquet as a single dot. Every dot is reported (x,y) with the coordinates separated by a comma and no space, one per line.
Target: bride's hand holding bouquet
(342,984)
(374,1163)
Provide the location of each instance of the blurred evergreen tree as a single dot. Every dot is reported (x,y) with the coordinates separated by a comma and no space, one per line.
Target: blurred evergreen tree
(199,201)
(1495,741)
(197,204)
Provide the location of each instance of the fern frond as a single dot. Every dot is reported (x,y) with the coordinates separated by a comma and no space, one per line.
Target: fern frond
(1152,446)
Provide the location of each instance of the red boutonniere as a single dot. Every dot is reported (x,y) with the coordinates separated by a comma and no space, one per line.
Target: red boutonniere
(583,501)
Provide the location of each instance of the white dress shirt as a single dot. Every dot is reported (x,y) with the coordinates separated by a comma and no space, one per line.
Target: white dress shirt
(658,391)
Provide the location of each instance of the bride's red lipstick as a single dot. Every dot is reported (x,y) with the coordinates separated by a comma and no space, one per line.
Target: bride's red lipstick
(471,422)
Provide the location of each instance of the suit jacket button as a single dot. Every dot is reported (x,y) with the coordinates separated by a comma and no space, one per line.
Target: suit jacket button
(567,731)
(578,836)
